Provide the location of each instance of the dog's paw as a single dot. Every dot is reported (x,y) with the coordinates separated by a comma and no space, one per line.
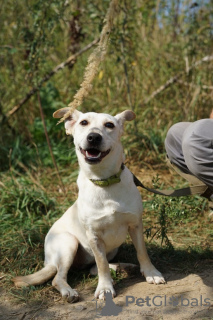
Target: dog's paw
(104,288)
(70,295)
(152,275)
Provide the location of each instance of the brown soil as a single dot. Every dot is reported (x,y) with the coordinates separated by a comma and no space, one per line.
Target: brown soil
(182,297)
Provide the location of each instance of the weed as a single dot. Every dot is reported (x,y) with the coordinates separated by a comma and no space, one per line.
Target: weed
(170,212)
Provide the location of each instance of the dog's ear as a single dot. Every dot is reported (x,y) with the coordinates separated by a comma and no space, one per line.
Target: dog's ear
(126,115)
(70,121)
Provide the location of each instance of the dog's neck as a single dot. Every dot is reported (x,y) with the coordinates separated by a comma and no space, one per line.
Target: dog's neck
(104,169)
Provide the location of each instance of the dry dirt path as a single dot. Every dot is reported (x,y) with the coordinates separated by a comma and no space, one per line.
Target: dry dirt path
(182,297)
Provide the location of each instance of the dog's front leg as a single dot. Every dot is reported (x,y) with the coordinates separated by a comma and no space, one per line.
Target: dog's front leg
(104,278)
(147,269)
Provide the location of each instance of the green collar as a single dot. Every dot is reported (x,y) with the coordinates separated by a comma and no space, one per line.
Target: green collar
(109,181)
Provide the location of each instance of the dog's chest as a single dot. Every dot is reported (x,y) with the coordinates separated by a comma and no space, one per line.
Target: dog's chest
(109,207)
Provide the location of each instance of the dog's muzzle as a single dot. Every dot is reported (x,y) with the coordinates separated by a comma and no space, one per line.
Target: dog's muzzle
(93,154)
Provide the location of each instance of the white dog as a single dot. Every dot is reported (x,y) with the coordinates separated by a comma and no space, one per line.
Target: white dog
(108,206)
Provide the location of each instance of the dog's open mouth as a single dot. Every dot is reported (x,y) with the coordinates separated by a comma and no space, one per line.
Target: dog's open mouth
(94,155)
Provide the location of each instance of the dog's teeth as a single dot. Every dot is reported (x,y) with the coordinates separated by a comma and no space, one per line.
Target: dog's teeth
(87,154)
(91,156)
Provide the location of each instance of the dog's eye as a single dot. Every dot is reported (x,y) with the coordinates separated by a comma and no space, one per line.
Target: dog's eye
(84,122)
(109,125)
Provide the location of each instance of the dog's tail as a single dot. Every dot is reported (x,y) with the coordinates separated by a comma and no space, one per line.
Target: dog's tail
(38,277)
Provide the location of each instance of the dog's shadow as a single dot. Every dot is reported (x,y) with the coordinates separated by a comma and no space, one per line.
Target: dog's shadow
(174,264)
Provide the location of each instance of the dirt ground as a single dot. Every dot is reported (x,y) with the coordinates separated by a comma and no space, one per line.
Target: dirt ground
(182,297)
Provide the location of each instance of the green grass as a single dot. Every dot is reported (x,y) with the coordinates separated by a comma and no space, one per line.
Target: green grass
(183,242)
(28,209)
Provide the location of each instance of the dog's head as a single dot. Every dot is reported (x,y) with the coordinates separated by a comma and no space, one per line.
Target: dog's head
(96,135)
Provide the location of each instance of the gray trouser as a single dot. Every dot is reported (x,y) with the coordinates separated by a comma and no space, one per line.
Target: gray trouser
(189,146)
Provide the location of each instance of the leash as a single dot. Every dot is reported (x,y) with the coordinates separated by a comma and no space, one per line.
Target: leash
(197,188)
(201,190)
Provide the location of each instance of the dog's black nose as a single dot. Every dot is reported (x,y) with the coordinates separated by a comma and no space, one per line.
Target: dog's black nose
(94,138)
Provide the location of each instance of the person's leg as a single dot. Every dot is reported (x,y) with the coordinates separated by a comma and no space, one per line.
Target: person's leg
(173,145)
(197,148)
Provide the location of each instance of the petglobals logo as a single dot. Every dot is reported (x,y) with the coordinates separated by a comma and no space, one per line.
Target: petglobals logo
(163,301)
(109,308)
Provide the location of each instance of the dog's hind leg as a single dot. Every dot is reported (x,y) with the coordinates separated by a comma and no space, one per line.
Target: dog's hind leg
(60,251)
(151,274)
